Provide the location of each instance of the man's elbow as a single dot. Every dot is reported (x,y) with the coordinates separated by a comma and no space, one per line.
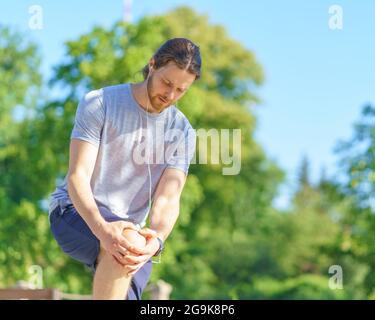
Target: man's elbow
(76,178)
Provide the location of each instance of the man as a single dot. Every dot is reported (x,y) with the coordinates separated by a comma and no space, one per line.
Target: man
(98,213)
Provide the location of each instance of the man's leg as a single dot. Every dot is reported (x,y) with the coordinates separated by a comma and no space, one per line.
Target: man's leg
(139,281)
(111,281)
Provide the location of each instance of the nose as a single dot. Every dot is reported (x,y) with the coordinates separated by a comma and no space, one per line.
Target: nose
(170,95)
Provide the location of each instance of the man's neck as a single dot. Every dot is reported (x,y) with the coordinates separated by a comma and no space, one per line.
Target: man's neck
(140,94)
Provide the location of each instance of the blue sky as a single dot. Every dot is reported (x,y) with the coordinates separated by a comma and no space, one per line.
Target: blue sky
(317,79)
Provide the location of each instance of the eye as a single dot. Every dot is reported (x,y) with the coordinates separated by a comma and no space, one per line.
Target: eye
(167,83)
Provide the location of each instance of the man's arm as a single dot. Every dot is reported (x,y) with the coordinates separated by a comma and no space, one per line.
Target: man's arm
(163,215)
(81,165)
(166,206)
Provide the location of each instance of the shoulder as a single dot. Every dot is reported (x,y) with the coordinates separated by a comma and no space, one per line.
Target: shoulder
(93,95)
(181,123)
(115,89)
(119,90)
(107,96)
(180,120)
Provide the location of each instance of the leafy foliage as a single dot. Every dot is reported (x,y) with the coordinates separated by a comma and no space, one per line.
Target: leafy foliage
(229,241)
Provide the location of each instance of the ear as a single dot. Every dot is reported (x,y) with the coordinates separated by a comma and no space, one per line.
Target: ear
(151,63)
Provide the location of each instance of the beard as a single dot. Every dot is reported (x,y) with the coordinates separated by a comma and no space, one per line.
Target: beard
(154,98)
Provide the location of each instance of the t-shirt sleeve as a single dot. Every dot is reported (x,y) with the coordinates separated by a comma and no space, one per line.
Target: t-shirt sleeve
(89,119)
(184,151)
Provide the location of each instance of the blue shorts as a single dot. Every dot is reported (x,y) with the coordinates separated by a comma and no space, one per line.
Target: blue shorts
(77,240)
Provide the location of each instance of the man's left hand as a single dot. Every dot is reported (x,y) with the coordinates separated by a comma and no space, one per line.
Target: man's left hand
(147,252)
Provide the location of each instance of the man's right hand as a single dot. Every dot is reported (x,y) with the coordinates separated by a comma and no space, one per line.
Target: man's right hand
(113,241)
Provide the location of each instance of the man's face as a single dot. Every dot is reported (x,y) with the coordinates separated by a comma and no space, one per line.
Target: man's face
(168,84)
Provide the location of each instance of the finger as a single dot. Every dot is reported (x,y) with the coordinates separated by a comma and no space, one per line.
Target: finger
(131,268)
(129,261)
(124,261)
(136,259)
(129,225)
(148,232)
(133,272)
(123,242)
(127,245)
(148,249)
(120,249)
(117,259)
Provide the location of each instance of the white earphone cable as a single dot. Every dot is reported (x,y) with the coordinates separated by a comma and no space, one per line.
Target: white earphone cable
(148,149)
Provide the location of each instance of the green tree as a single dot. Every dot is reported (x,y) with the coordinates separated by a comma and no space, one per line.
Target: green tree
(357,181)
(20,80)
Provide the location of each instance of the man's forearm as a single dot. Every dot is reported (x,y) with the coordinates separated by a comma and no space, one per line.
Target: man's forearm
(83,200)
(163,216)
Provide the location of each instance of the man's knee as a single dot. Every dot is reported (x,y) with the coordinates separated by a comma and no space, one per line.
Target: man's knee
(134,238)
(109,262)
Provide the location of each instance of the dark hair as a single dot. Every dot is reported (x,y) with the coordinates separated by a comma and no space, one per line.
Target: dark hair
(183,52)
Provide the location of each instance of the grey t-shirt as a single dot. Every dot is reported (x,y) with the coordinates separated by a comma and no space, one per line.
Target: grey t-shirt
(111,119)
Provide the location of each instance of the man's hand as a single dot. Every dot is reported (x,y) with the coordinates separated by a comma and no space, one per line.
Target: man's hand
(135,261)
(112,240)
